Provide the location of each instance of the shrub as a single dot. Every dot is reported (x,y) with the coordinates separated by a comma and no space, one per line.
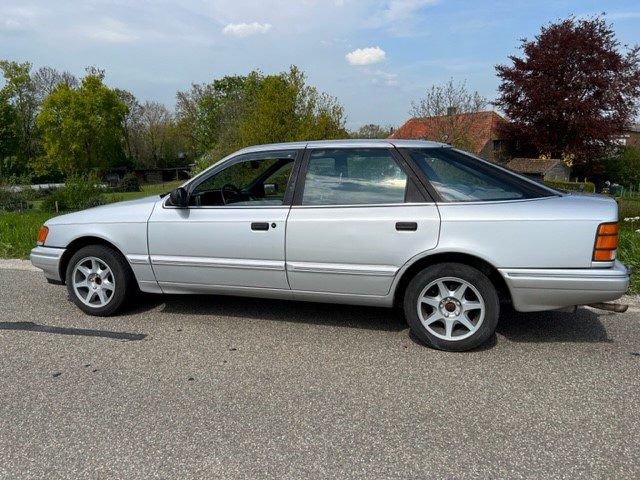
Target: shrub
(77,194)
(129,183)
(575,186)
(11,201)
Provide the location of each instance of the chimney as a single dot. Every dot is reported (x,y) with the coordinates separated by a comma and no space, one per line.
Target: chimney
(451,111)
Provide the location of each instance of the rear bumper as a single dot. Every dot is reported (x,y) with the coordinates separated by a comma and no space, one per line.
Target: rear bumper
(535,290)
(48,259)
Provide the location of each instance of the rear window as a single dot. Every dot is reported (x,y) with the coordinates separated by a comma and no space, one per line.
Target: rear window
(461,178)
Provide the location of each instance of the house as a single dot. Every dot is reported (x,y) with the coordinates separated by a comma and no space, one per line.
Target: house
(484,131)
(630,136)
(540,168)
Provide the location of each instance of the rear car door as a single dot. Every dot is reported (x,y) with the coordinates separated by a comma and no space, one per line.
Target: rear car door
(358,216)
(232,234)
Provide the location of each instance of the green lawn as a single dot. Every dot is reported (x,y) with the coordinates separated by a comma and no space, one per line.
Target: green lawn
(152,189)
(18,232)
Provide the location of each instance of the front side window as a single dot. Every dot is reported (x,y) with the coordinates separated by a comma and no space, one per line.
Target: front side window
(353,177)
(255,181)
(460,178)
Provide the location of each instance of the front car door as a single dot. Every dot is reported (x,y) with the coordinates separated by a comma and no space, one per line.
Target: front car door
(233,232)
(358,216)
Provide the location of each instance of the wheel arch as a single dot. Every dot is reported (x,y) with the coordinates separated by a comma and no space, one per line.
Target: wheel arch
(79,243)
(474,261)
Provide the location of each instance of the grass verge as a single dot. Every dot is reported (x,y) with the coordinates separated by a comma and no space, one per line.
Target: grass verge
(18,232)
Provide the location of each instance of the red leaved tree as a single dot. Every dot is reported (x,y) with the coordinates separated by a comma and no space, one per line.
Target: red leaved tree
(572,92)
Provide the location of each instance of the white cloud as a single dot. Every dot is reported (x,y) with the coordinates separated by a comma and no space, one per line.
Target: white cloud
(366,56)
(241,30)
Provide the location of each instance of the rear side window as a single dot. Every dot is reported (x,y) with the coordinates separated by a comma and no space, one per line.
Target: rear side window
(353,177)
(460,178)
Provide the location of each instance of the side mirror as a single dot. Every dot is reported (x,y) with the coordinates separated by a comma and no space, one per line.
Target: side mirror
(179,197)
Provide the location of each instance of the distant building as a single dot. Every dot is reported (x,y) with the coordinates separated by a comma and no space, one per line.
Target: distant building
(541,169)
(630,136)
(484,129)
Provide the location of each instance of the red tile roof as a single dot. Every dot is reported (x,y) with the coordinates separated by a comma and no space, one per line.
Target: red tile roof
(483,127)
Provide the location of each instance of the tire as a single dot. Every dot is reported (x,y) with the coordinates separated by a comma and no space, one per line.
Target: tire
(99,280)
(451,306)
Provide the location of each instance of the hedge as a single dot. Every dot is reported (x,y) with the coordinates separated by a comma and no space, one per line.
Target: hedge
(577,186)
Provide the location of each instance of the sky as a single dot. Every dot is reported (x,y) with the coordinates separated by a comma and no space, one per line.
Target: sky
(375,56)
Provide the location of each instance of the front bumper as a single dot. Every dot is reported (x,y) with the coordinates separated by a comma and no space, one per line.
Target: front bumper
(48,259)
(534,290)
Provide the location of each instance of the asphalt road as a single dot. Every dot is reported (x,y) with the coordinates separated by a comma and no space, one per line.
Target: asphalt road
(214,387)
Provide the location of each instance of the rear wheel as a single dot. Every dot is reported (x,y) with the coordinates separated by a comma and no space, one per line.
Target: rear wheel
(99,280)
(452,306)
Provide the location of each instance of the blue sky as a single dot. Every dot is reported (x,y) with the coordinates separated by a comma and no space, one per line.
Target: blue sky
(376,56)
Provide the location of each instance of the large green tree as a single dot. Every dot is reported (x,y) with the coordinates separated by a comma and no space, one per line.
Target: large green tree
(82,128)
(285,109)
(238,111)
(19,91)
(8,139)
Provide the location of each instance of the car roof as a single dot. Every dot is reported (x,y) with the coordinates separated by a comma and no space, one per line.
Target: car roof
(347,143)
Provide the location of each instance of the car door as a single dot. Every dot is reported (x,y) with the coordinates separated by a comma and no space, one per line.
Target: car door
(233,232)
(358,216)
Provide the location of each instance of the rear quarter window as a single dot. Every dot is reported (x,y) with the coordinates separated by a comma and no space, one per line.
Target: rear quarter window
(457,177)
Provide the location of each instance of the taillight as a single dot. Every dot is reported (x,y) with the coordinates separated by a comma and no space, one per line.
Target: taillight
(606,242)
(42,235)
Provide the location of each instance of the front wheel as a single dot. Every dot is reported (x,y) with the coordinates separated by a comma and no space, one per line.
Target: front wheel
(99,280)
(452,307)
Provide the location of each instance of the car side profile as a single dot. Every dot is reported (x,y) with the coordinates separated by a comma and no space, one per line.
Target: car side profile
(443,234)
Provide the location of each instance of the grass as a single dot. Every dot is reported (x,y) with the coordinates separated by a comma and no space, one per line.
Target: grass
(151,189)
(18,232)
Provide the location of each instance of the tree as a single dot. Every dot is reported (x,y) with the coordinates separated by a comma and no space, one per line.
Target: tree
(371,130)
(209,114)
(156,123)
(625,167)
(132,124)
(82,128)
(8,139)
(286,109)
(572,91)
(237,111)
(46,79)
(20,92)
(446,104)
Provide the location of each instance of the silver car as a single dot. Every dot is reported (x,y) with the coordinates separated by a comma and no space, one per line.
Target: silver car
(416,224)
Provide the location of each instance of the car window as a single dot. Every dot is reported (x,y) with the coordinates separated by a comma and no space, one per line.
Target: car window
(353,177)
(461,178)
(252,182)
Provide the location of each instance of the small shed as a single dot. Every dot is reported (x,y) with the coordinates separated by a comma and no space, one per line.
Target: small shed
(541,168)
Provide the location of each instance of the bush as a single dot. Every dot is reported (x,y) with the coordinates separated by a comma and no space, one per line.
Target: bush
(77,194)
(13,201)
(129,183)
(575,186)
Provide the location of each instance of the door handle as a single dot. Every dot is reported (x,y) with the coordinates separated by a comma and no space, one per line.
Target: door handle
(260,226)
(406,226)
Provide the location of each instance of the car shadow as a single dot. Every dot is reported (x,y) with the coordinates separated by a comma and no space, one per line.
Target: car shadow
(584,326)
(348,316)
